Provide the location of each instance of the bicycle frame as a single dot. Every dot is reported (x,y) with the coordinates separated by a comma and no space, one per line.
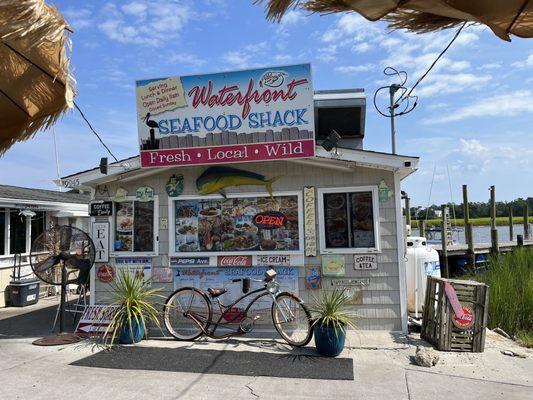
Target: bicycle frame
(261,292)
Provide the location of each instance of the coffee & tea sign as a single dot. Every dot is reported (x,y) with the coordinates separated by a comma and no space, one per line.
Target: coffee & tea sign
(252,115)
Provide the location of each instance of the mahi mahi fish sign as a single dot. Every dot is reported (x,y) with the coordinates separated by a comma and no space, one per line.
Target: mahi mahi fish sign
(228,117)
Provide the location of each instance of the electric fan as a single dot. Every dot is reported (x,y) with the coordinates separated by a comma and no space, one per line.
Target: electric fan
(60,256)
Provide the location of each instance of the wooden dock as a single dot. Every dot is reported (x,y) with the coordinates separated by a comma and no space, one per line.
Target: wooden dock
(479,248)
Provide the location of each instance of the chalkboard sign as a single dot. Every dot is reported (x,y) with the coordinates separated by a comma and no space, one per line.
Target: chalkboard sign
(103,208)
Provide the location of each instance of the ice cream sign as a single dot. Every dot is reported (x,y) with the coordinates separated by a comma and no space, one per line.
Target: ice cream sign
(252,115)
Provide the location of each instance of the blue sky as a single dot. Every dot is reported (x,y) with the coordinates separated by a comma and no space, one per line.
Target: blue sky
(474,117)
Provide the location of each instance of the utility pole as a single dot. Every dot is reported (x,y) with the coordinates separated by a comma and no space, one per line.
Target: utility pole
(392,91)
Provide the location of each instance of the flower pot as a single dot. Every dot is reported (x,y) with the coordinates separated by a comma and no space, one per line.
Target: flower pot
(137,328)
(329,341)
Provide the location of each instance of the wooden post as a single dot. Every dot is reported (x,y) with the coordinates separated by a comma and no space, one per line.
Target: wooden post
(408,211)
(511,227)
(493,230)
(526,222)
(519,240)
(470,253)
(444,241)
(466,212)
(422,227)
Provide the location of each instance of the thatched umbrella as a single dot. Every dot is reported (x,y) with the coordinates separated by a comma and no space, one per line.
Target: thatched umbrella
(504,17)
(35,83)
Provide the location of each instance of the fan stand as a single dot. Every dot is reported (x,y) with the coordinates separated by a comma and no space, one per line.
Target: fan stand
(63,337)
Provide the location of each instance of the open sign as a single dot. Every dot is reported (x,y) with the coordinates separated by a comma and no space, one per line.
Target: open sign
(269,220)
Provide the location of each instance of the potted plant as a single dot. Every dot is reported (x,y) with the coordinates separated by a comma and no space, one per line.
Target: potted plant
(133,300)
(330,318)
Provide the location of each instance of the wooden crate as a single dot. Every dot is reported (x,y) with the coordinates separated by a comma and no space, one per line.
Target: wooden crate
(437,326)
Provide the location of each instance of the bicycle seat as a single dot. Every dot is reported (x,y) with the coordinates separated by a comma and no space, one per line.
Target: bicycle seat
(215,292)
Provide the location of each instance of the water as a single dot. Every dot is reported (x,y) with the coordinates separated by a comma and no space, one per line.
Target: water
(482,233)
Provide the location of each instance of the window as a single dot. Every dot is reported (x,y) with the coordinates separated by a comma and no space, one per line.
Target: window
(17,233)
(249,224)
(348,220)
(135,226)
(38,225)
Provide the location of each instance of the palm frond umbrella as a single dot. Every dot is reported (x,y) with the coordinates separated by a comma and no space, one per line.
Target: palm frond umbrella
(36,86)
(503,17)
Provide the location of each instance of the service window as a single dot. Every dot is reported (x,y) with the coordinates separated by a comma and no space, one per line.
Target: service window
(348,220)
(135,226)
(250,224)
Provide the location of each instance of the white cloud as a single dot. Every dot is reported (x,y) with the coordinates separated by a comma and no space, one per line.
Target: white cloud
(490,66)
(145,23)
(361,47)
(293,18)
(472,147)
(439,84)
(78,18)
(247,57)
(353,69)
(527,63)
(501,105)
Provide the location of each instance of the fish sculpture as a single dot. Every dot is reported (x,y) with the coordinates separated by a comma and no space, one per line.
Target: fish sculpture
(216,179)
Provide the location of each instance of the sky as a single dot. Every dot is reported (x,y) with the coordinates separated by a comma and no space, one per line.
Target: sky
(472,125)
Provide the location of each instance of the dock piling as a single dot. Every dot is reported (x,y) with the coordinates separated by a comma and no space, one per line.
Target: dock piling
(469,233)
(511,227)
(444,239)
(493,230)
(526,221)
(519,240)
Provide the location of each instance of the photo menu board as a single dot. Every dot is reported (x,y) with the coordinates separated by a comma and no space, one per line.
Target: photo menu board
(248,224)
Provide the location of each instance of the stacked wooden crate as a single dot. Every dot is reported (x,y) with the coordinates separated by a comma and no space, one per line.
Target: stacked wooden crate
(437,324)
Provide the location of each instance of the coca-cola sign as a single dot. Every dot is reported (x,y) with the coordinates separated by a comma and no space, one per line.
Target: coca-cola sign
(234,261)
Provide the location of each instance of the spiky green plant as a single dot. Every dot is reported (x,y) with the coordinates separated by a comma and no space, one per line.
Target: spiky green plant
(134,300)
(330,310)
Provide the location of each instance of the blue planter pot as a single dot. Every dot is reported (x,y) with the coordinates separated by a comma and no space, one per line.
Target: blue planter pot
(328,341)
(126,337)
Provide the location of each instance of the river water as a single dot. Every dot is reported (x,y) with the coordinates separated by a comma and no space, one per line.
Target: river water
(482,233)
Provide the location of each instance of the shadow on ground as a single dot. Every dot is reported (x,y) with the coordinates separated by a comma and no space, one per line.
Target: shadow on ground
(29,323)
(245,363)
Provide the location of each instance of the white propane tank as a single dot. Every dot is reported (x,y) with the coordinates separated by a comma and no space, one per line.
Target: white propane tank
(421,262)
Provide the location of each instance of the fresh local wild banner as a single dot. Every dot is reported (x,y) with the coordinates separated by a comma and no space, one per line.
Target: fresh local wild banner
(229,117)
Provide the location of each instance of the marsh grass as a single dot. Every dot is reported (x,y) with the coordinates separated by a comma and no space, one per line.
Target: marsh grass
(510,280)
(483,221)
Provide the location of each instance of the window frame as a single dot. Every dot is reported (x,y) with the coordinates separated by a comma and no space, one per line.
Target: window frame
(172,225)
(7,211)
(321,220)
(115,253)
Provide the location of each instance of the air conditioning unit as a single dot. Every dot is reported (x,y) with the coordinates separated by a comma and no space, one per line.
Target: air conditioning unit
(344,111)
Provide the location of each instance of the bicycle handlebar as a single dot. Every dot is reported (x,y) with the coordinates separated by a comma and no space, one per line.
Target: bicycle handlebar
(251,279)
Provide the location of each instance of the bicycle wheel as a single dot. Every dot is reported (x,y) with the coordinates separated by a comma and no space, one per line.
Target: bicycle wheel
(178,305)
(292,319)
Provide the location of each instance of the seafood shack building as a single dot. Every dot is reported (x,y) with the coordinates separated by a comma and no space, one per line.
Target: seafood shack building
(334,218)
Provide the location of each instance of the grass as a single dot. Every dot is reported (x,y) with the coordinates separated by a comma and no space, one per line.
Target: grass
(485,221)
(510,280)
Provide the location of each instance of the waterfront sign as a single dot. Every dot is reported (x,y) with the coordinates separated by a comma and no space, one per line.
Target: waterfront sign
(240,116)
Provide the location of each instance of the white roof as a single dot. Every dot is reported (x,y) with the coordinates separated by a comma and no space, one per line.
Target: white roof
(345,160)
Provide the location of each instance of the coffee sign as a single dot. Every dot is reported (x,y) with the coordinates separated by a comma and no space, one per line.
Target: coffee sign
(365,261)
(101,209)
(234,261)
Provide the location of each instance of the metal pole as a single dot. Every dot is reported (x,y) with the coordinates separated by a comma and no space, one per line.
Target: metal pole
(63,298)
(392,90)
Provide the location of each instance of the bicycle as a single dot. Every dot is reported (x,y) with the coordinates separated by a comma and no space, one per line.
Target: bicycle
(188,312)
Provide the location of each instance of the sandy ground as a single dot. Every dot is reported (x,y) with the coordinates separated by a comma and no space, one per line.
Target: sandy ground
(382,369)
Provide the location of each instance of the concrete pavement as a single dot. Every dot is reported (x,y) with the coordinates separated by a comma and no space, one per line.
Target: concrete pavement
(382,370)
